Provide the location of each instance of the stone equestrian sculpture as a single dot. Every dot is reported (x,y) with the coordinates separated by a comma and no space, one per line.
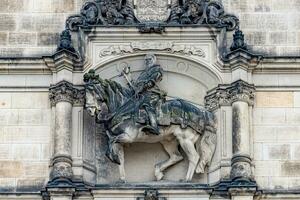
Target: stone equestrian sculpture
(140,113)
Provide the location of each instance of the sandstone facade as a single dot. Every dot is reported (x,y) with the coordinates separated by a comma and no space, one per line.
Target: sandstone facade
(33,135)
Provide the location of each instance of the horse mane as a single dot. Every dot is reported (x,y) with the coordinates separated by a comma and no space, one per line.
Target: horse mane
(113,94)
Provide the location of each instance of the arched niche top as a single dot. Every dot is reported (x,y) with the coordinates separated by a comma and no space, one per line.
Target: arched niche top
(183,78)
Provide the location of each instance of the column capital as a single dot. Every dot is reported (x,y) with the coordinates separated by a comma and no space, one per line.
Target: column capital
(242,91)
(66,92)
(226,94)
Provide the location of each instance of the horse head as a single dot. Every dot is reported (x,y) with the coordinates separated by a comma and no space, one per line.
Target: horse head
(94,95)
(91,103)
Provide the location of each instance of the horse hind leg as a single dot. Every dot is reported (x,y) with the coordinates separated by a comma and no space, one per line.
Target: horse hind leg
(193,157)
(122,163)
(171,147)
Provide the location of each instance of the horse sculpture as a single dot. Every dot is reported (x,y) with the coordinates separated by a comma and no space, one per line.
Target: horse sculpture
(180,124)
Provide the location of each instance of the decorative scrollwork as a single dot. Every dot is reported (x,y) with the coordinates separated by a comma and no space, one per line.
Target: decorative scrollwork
(202,12)
(103,12)
(184,49)
(122,12)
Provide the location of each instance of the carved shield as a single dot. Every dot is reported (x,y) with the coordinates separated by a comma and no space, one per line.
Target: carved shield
(152,10)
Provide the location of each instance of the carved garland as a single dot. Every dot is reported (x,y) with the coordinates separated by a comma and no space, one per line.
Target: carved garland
(186,49)
(180,12)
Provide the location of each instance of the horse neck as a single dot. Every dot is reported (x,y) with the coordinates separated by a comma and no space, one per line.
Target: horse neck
(115,98)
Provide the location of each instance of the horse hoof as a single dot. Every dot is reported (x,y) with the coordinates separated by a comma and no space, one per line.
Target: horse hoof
(184,181)
(159,176)
(121,181)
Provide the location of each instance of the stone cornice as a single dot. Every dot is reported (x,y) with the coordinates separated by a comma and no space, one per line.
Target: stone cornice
(225,95)
(66,92)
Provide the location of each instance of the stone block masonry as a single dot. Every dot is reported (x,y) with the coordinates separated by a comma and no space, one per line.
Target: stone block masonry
(24,141)
(276,139)
(30,27)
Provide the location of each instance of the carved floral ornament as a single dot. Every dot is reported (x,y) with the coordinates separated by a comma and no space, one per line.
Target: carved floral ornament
(170,47)
(65,91)
(154,13)
(225,95)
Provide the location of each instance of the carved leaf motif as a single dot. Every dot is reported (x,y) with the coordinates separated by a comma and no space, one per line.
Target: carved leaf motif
(158,46)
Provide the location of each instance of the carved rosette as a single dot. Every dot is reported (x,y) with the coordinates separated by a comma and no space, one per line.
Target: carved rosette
(66,92)
(225,95)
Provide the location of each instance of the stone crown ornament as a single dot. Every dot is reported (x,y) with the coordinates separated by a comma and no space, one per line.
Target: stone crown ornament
(65,42)
(238,41)
(163,13)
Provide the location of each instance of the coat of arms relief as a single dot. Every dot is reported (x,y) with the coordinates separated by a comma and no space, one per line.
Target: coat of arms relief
(163,12)
(152,10)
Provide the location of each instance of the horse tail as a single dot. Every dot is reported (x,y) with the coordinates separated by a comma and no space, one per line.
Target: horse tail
(206,144)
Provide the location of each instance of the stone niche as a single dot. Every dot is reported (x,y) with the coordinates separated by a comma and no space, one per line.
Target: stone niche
(184,79)
(191,68)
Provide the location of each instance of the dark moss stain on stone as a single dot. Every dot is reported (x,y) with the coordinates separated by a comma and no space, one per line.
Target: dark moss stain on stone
(236,126)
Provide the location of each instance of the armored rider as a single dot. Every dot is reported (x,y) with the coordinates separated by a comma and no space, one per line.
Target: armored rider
(147,92)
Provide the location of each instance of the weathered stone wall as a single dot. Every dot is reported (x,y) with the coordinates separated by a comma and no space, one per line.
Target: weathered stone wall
(24,141)
(271,27)
(277,140)
(32,27)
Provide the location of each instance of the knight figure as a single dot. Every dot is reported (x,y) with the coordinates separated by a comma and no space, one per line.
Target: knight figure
(147,94)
